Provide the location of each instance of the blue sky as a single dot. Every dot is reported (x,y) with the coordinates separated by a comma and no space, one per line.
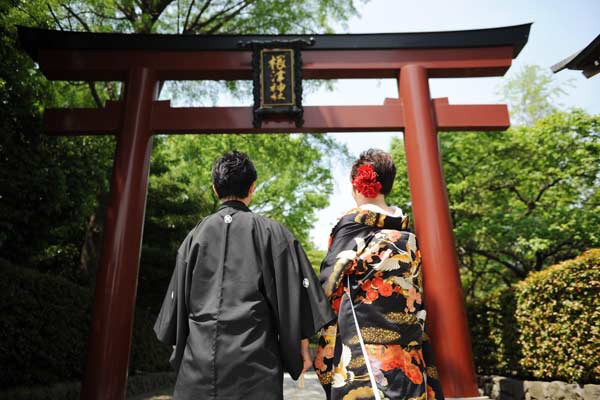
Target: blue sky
(559,29)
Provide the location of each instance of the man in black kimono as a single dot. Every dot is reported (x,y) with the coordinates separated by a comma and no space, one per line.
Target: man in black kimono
(243,299)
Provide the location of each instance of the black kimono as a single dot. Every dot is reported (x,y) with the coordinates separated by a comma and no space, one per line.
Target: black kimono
(377,347)
(241,298)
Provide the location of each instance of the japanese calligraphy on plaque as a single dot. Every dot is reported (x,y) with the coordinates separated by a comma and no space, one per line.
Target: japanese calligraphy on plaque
(277,78)
(277,69)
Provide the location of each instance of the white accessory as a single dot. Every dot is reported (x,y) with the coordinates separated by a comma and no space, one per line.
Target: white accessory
(362,346)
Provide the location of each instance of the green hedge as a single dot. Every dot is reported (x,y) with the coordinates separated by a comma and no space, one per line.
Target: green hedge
(44,328)
(546,327)
(558,310)
(494,335)
(136,385)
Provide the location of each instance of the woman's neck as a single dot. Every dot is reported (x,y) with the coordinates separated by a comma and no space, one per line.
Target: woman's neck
(378,201)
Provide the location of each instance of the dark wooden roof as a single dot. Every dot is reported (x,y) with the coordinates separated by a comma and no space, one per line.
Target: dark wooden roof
(586,60)
(34,39)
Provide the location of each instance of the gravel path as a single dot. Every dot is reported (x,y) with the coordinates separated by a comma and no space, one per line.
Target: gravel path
(312,390)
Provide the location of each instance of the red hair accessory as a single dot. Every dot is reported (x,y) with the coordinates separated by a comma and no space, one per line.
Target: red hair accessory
(366,181)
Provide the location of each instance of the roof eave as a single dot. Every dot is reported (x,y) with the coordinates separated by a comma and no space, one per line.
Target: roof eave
(34,39)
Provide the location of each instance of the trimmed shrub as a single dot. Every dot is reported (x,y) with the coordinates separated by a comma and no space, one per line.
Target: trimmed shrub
(45,321)
(147,353)
(546,327)
(558,310)
(44,330)
(494,333)
(136,385)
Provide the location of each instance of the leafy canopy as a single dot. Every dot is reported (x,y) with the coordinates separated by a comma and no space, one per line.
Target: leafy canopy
(52,188)
(522,199)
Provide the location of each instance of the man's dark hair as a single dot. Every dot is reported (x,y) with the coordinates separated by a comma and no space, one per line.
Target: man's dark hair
(382,164)
(233,174)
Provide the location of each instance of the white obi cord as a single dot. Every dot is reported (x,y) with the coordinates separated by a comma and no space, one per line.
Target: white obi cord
(362,346)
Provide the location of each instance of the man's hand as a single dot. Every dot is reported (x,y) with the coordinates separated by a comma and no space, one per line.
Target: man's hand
(305,355)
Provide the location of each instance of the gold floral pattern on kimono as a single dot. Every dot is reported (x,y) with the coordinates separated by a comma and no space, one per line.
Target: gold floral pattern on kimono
(373,269)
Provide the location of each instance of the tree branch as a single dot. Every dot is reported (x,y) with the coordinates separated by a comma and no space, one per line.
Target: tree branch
(197,18)
(76,16)
(546,187)
(103,16)
(160,8)
(129,14)
(187,16)
(514,268)
(513,188)
(215,17)
(543,255)
(229,17)
(55,17)
(94,92)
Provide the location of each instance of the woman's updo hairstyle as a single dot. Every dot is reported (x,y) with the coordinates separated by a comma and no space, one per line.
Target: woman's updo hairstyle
(382,164)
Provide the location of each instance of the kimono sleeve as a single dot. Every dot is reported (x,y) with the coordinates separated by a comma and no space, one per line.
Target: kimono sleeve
(171,326)
(300,304)
(165,326)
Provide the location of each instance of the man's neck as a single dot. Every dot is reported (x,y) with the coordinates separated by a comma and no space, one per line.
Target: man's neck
(245,200)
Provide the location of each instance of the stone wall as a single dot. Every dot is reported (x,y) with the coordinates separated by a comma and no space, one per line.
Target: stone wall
(501,388)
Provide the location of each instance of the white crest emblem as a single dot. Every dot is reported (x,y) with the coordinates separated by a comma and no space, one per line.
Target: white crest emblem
(305,282)
(228,219)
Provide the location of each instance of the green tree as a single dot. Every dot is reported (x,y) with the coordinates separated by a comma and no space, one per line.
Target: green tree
(520,200)
(48,185)
(293,179)
(53,188)
(532,94)
(186,17)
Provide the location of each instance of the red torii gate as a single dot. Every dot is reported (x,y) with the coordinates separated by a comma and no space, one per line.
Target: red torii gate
(142,61)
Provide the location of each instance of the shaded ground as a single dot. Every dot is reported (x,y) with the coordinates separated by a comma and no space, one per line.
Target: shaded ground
(312,390)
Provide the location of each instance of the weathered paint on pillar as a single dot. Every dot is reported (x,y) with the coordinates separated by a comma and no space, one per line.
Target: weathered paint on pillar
(116,283)
(443,293)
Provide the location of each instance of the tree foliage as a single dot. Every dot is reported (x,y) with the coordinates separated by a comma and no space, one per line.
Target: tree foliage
(48,185)
(544,327)
(532,94)
(293,179)
(522,199)
(196,16)
(54,188)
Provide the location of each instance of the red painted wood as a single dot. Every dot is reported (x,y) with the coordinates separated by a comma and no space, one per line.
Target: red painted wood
(116,283)
(165,119)
(84,121)
(317,64)
(140,116)
(443,293)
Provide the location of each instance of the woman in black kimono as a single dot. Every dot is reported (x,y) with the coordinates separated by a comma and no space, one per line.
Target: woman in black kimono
(377,347)
(243,299)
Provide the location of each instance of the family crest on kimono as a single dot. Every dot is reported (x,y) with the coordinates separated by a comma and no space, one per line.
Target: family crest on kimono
(377,347)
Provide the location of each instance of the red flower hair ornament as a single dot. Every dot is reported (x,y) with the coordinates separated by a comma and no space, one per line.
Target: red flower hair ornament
(366,181)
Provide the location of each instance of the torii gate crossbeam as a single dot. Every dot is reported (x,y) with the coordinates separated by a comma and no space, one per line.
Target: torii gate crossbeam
(142,61)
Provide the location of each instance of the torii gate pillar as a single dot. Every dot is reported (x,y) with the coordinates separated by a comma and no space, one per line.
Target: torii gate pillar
(443,292)
(116,284)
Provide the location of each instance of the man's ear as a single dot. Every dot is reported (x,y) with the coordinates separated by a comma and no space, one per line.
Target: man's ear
(215,190)
(251,189)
